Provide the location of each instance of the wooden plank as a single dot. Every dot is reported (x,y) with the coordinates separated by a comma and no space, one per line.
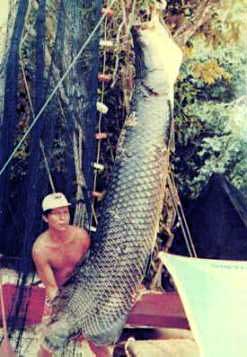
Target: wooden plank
(34,296)
(158,310)
(151,310)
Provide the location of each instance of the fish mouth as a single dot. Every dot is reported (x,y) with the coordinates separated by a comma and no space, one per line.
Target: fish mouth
(138,50)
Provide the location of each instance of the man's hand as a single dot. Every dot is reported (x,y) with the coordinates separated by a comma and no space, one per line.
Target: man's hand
(45,273)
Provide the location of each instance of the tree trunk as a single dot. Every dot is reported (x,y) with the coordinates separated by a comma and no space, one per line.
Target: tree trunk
(80,88)
(33,183)
(67,125)
(10,116)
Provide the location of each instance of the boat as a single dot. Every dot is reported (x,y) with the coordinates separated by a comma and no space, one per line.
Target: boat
(152,309)
(155,315)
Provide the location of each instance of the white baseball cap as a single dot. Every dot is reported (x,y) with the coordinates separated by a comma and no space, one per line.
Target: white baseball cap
(54,200)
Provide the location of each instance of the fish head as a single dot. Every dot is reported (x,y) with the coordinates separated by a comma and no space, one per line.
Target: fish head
(160,54)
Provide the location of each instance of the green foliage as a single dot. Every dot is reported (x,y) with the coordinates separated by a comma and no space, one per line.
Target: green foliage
(211,128)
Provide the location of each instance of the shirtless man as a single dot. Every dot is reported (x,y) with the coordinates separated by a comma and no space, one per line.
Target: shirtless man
(58,250)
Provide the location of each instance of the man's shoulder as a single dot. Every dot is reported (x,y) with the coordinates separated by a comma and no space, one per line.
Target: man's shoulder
(40,243)
(80,233)
(78,230)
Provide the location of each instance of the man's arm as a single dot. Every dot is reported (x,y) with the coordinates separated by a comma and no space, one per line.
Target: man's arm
(45,273)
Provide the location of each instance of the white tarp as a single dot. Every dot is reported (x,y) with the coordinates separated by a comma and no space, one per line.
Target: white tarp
(214,295)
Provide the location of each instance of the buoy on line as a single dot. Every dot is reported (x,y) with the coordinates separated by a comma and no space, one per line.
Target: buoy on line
(105,43)
(97,194)
(100,136)
(101,107)
(108,11)
(103,77)
(98,166)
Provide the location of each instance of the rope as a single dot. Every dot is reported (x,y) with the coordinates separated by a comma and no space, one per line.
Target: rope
(131,17)
(181,217)
(99,129)
(176,202)
(102,96)
(186,227)
(54,91)
(40,142)
(47,166)
(4,321)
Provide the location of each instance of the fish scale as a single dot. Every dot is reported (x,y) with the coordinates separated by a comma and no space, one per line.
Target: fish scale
(103,290)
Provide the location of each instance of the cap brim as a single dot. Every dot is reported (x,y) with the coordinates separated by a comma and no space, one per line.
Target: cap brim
(53,207)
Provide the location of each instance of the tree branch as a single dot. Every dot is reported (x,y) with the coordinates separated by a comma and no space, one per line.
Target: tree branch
(201,16)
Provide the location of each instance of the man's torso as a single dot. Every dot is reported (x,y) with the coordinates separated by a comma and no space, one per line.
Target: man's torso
(65,255)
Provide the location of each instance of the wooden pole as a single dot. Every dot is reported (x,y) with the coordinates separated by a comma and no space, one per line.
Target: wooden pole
(6,349)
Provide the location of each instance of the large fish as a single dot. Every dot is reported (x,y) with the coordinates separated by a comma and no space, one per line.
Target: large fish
(99,296)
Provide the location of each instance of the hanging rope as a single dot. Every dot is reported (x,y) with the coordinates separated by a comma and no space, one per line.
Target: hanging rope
(186,227)
(131,17)
(181,217)
(97,161)
(40,142)
(47,166)
(32,110)
(97,165)
(54,90)
(4,321)
(5,348)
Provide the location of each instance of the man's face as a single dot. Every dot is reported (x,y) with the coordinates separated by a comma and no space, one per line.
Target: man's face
(58,218)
